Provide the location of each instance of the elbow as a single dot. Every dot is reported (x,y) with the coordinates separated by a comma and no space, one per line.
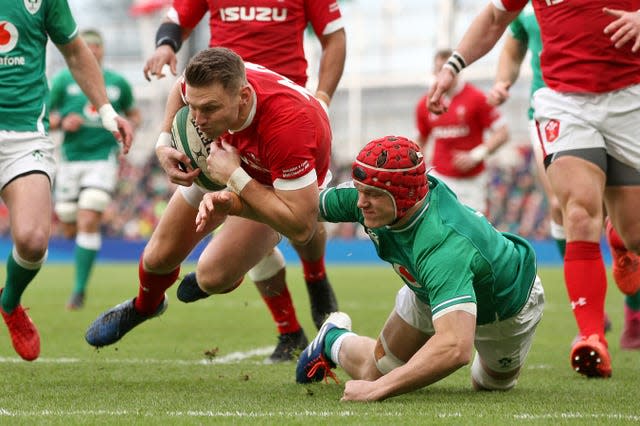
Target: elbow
(461,355)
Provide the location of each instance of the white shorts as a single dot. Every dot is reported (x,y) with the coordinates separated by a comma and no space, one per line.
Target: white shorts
(569,121)
(471,191)
(503,345)
(193,194)
(24,152)
(73,176)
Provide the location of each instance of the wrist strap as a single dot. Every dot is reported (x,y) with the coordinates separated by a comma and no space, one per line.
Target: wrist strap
(479,153)
(456,63)
(169,33)
(238,180)
(108,117)
(165,139)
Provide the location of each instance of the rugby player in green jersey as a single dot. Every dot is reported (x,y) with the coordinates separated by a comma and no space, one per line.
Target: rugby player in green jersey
(27,161)
(466,284)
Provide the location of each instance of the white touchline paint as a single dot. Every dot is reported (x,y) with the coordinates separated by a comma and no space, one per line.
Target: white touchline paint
(226,359)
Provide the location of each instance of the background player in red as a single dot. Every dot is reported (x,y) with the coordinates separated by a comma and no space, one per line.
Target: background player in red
(269,33)
(458,134)
(587,120)
(254,114)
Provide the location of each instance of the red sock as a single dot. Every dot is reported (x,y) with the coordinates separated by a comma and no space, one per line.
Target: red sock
(283,312)
(152,288)
(313,270)
(586,281)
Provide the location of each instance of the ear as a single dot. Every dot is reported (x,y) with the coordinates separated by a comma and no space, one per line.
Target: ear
(245,95)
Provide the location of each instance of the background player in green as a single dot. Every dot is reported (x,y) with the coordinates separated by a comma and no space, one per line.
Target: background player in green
(27,161)
(466,284)
(88,169)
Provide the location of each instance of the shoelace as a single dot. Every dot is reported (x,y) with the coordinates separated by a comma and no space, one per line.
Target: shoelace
(322,363)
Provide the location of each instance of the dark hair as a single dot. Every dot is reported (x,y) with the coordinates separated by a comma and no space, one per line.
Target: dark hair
(216,65)
(92,36)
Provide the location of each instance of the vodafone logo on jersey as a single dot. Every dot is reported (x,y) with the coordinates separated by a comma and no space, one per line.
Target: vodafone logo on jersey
(406,275)
(253,13)
(8,36)
(552,130)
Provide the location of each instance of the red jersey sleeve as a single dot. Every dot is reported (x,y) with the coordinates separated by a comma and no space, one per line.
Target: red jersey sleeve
(422,118)
(187,13)
(510,5)
(324,15)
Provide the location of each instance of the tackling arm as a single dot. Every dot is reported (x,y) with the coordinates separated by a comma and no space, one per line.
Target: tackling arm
(511,57)
(450,348)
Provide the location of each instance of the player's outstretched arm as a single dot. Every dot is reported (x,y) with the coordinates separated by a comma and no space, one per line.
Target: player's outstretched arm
(511,57)
(334,53)
(481,36)
(87,73)
(169,38)
(450,348)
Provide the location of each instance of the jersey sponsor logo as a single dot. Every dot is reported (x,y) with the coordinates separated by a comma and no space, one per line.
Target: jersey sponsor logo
(8,37)
(254,13)
(552,130)
(406,275)
(447,132)
(32,6)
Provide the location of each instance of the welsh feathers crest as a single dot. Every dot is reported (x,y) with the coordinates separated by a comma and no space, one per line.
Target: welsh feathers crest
(33,6)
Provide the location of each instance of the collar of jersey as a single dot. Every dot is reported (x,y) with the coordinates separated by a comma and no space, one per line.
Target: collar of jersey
(414,219)
(252,113)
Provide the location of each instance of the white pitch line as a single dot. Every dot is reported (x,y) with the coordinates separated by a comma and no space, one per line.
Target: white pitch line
(231,358)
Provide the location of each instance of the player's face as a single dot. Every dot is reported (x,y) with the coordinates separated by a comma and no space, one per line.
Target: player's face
(214,109)
(376,205)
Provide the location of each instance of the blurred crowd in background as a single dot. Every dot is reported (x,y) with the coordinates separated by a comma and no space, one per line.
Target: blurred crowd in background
(516,204)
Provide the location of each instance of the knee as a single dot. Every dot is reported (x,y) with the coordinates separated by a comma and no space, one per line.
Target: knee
(484,379)
(31,246)
(214,280)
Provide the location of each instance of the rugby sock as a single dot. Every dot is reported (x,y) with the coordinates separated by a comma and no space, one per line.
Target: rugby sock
(333,341)
(283,312)
(586,281)
(87,246)
(152,288)
(314,271)
(20,273)
(633,302)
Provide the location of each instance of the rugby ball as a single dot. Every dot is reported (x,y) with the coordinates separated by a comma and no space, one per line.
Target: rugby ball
(187,138)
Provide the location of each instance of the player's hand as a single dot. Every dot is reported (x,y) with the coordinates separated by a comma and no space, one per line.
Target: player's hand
(444,81)
(124,133)
(464,161)
(214,207)
(163,55)
(624,29)
(223,160)
(176,165)
(71,122)
(499,93)
(359,390)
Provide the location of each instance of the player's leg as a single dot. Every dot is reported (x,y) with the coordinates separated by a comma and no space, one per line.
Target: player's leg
(556,227)
(502,347)
(170,243)
(244,246)
(27,168)
(97,181)
(575,149)
(321,295)
(407,329)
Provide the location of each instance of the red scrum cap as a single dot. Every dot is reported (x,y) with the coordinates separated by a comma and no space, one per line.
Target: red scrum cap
(395,165)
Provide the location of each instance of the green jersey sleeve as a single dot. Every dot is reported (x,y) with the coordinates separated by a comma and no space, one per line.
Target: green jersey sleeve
(59,22)
(340,204)
(518,30)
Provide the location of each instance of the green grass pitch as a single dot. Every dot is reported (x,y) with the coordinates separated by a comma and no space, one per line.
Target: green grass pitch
(202,363)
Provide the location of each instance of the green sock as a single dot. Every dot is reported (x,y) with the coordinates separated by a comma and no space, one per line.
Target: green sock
(633,301)
(330,338)
(84,260)
(562,246)
(18,277)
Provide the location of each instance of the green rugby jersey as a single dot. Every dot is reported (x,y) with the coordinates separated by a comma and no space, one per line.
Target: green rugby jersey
(25,26)
(91,141)
(447,253)
(526,30)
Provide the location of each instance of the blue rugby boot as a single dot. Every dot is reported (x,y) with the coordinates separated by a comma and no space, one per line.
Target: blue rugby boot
(111,325)
(313,365)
